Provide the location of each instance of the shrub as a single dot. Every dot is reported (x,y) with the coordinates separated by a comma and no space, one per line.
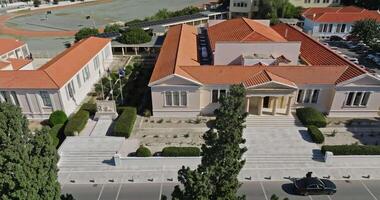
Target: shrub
(352,149)
(143,152)
(124,124)
(57,117)
(56,134)
(316,134)
(181,151)
(85,33)
(89,107)
(310,116)
(135,36)
(112,28)
(76,123)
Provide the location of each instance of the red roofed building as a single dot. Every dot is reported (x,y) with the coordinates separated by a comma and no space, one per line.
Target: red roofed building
(326,22)
(14,55)
(281,68)
(60,84)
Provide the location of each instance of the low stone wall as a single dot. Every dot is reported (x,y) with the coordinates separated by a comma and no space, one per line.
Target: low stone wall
(156,162)
(352,160)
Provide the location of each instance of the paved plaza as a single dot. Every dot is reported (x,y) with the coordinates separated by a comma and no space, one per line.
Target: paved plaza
(259,190)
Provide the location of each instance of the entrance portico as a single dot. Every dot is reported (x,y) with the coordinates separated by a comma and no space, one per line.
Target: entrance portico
(272,105)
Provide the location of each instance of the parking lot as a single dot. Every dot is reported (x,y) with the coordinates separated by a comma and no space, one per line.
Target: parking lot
(257,190)
(357,53)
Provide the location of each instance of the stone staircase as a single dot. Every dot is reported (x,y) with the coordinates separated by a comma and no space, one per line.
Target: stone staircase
(82,159)
(272,121)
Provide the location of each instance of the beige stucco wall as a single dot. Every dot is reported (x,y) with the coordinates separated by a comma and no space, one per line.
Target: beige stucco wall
(325,97)
(229,53)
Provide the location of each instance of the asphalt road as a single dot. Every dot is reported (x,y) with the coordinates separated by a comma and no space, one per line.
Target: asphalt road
(347,190)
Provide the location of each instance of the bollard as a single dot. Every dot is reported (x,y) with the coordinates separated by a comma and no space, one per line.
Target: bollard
(248,178)
(367,177)
(92,180)
(347,177)
(150,179)
(72,181)
(327,177)
(287,177)
(130,180)
(111,180)
(170,179)
(268,177)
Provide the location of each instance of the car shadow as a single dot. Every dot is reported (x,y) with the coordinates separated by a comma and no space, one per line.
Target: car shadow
(305,136)
(290,189)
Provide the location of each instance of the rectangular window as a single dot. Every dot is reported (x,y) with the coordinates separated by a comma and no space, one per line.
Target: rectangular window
(343,29)
(365,99)
(320,28)
(176,98)
(338,27)
(358,98)
(2,96)
(96,63)
(222,93)
(215,96)
(6,97)
(79,82)
(86,73)
(330,28)
(183,98)
(314,98)
(307,96)
(300,96)
(168,98)
(71,89)
(15,99)
(350,97)
(45,98)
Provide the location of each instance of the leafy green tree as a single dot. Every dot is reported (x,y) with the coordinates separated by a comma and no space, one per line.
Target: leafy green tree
(135,36)
(274,9)
(28,162)
(367,30)
(36,3)
(368,4)
(85,33)
(112,28)
(216,176)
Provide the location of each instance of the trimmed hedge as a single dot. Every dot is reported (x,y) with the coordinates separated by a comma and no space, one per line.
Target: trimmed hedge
(181,151)
(56,134)
(143,152)
(76,123)
(57,117)
(352,149)
(125,122)
(89,107)
(310,116)
(315,134)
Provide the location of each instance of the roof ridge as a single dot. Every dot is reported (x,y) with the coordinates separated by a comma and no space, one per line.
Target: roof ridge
(178,45)
(253,30)
(55,83)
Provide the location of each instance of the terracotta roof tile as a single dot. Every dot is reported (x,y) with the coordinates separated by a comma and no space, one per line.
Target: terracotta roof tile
(265,76)
(340,14)
(7,45)
(26,79)
(242,30)
(4,64)
(18,63)
(316,53)
(179,48)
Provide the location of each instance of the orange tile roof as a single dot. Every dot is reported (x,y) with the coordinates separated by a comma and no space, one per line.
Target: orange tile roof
(26,79)
(8,44)
(316,53)
(4,64)
(289,75)
(18,63)
(265,77)
(57,71)
(179,48)
(242,30)
(340,14)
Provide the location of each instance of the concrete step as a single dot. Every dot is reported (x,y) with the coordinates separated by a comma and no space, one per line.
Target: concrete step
(81,158)
(272,121)
(74,164)
(88,153)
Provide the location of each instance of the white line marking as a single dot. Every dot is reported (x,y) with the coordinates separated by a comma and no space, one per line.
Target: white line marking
(159,196)
(310,197)
(118,192)
(369,191)
(328,196)
(265,193)
(101,191)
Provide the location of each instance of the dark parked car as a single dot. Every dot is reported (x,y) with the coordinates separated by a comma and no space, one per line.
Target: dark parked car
(314,185)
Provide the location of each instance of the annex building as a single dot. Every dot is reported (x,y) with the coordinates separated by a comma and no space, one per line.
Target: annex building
(281,68)
(60,84)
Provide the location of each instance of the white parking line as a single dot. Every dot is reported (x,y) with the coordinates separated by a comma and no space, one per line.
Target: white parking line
(118,192)
(101,191)
(265,193)
(369,191)
(310,197)
(159,196)
(328,196)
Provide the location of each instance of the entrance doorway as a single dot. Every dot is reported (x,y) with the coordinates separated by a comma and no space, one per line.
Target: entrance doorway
(266,102)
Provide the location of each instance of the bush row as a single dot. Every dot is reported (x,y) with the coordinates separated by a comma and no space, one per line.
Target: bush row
(125,122)
(56,134)
(181,151)
(76,123)
(89,107)
(57,117)
(352,149)
(143,152)
(310,116)
(315,134)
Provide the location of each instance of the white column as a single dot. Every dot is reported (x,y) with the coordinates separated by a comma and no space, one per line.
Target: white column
(274,106)
(289,106)
(122,51)
(260,106)
(247,105)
